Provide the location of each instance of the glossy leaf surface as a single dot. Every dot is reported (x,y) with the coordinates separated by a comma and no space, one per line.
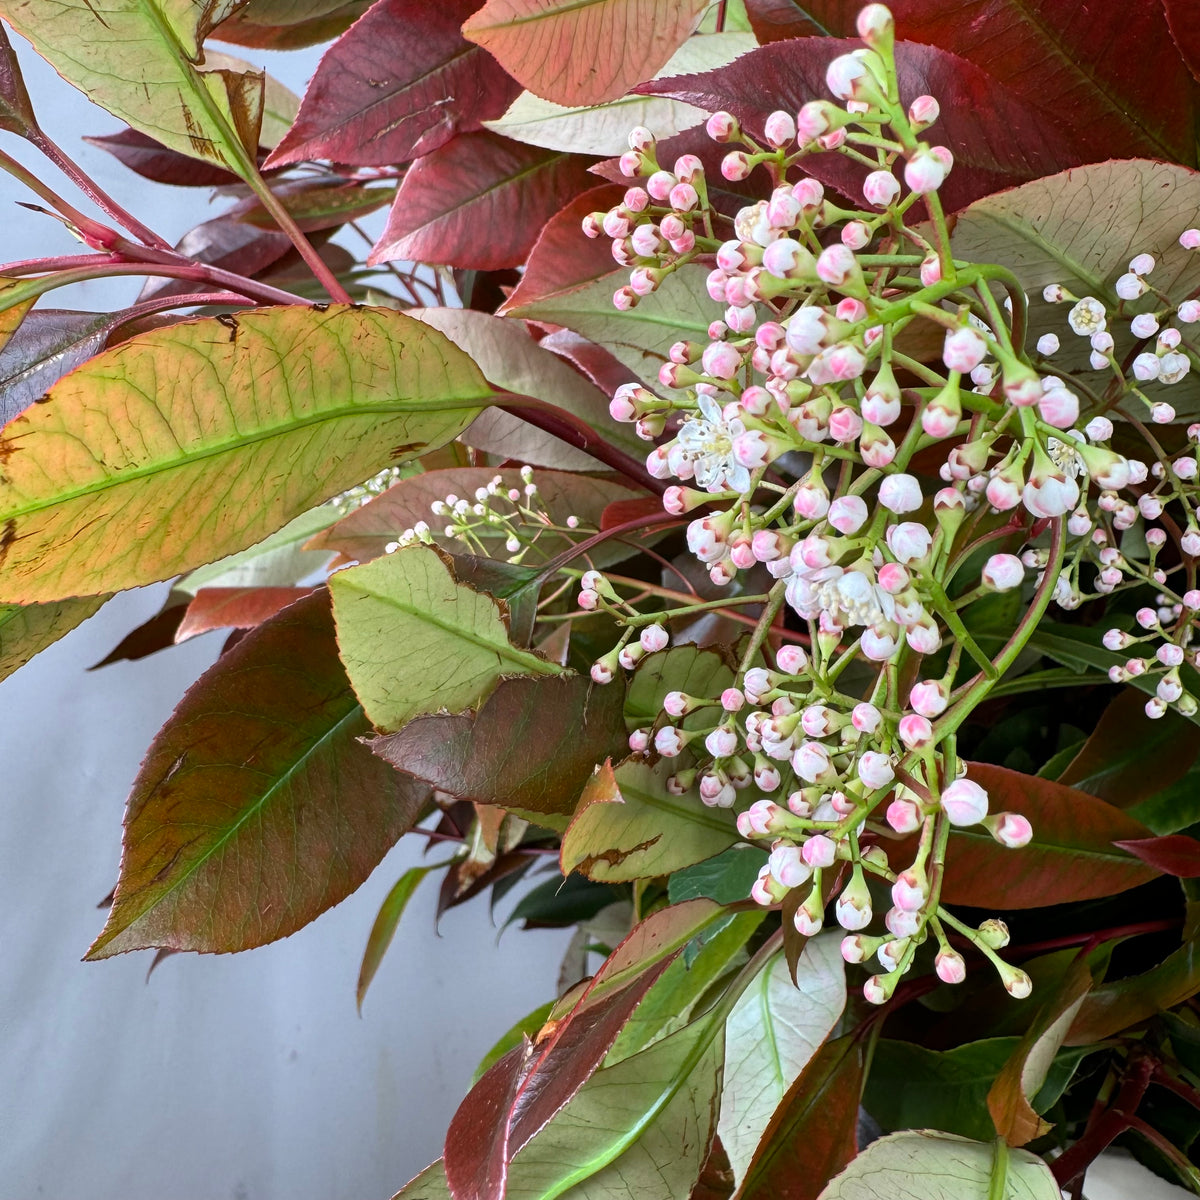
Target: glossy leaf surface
(478,202)
(415,640)
(256,808)
(178,429)
(583,53)
(399,83)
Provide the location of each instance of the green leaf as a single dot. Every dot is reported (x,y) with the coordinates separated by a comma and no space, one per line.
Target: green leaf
(141,60)
(415,640)
(690,669)
(430,1184)
(771,1035)
(256,808)
(639,1128)
(680,310)
(628,826)
(940,1166)
(532,746)
(384,928)
(557,902)
(365,533)
(207,435)
(604,129)
(670,1002)
(1080,228)
(726,878)
(26,630)
(813,1132)
(514,362)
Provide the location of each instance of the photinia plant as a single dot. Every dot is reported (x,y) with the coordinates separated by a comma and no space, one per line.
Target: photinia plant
(764,541)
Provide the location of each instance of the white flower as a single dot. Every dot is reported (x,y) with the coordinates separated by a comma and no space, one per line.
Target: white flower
(1087,317)
(706,442)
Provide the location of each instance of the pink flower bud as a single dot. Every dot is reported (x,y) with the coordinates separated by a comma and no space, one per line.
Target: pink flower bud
(1189,239)
(844,425)
(893,578)
(1050,494)
(654,638)
(925,172)
(792,660)
(1002,572)
(779,129)
(931,270)
(875,770)
(811,762)
(879,642)
(903,816)
(811,500)
(813,120)
(900,493)
(1010,829)
(788,866)
(735,165)
(909,541)
(950,966)
(1059,407)
(964,802)
(902,924)
(721,360)
(846,77)
(819,852)
(924,637)
(683,197)
(915,731)
(630,164)
(722,127)
(866,717)
(856,235)
(848,514)
(928,698)
(881,188)
(963,350)
(837,264)
(924,110)
(874,24)
(909,892)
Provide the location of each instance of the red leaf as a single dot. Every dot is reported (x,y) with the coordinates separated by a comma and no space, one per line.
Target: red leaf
(519,1094)
(234,608)
(777,20)
(813,1132)
(563,259)
(997,138)
(478,202)
(242,30)
(1072,855)
(149,637)
(621,511)
(588,53)
(152,160)
(1181,18)
(601,367)
(399,83)
(227,243)
(1175,854)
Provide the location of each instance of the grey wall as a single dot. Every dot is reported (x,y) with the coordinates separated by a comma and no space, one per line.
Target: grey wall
(247,1077)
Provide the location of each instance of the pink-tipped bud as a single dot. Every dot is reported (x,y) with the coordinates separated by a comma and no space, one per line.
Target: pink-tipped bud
(779,129)
(848,514)
(963,350)
(916,732)
(1003,572)
(900,493)
(792,660)
(722,127)
(903,816)
(924,110)
(950,966)
(875,25)
(654,638)
(881,188)
(928,698)
(735,165)
(925,172)
(1010,829)
(909,892)
(964,802)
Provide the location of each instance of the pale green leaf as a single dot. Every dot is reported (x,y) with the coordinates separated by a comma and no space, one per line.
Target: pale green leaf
(414,640)
(939,1166)
(773,1031)
(604,128)
(196,440)
(142,60)
(26,630)
(680,310)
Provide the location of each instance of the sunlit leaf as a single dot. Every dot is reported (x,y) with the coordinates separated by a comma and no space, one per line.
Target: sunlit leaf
(26,630)
(583,53)
(234,608)
(771,1035)
(628,826)
(256,808)
(415,640)
(199,439)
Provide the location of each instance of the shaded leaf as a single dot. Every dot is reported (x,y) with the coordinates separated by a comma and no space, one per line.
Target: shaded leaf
(1072,856)
(997,139)
(478,202)
(43,349)
(384,928)
(511,360)
(1128,1003)
(558,903)
(27,630)
(522,1092)
(1010,1098)
(242,30)
(365,533)
(415,640)
(234,608)
(583,54)
(152,160)
(16,112)
(777,20)
(562,258)
(319,205)
(227,243)
(939,1166)
(812,1133)
(588,358)
(1080,228)
(532,746)
(256,808)
(401,82)
(288,406)
(150,636)
(772,1034)
(1128,757)
(691,669)
(628,826)
(604,129)
(138,59)
(1174,855)
(726,878)
(1181,20)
